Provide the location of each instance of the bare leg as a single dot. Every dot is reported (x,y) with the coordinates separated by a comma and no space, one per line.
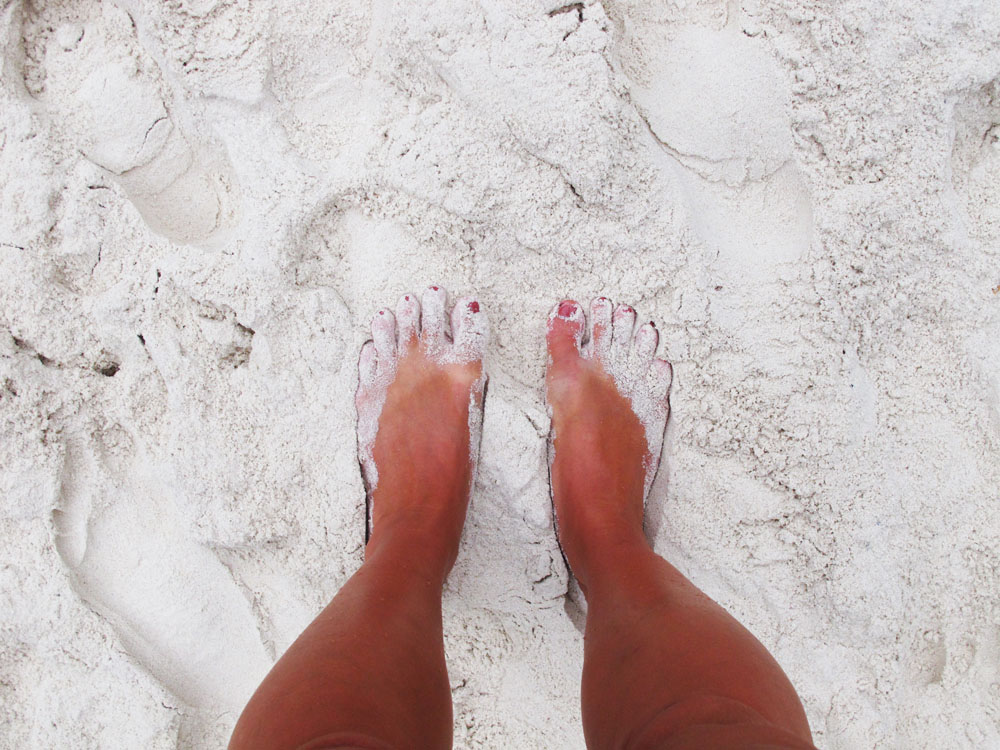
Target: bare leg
(664,665)
(370,671)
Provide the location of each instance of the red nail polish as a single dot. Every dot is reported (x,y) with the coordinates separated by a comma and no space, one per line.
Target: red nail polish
(566,309)
(434,288)
(381,312)
(474,306)
(407,297)
(652,323)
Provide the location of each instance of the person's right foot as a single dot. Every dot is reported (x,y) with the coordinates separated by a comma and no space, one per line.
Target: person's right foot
(419,402)
(609,402)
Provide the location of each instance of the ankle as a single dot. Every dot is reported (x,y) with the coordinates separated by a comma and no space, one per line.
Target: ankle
(417,544)
(608,555)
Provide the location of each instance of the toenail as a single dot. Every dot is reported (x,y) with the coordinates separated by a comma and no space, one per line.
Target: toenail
(474,306)
(566,309)
(652,324)
(434,288)
(381,312)
(602,299)
(407,297)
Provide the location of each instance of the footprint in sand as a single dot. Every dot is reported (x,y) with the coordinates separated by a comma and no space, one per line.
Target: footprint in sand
(976,161)
(716,102)
(323,76)
(107,95)
(172,603)
(975,169)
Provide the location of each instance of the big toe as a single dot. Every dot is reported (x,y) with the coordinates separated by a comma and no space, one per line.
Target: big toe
(565,332)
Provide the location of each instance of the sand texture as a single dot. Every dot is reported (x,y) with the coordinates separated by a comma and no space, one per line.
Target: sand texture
(203,203)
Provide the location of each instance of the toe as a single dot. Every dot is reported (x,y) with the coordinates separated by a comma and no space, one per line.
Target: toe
(367,365)
(622,323)
(384,334)
(600,327)
(408,320)
(432,324)
(469,328)
(645,341)
(663,375)
(565,331)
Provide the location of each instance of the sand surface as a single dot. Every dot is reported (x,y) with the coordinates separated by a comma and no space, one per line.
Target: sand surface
(203,203)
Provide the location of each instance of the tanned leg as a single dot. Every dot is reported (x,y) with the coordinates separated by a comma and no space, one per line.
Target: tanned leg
(664,665)
(369,672)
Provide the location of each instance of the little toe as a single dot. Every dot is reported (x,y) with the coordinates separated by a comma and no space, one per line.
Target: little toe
(432,322)
(663,376)
(664,372)
(565,331)
(600,327)
(367,366)
(408,320)
(645,341)
(384,334)
(622,324)
(470,329)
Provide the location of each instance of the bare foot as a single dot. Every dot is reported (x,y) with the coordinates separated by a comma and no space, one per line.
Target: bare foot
(419,402)
(609,402)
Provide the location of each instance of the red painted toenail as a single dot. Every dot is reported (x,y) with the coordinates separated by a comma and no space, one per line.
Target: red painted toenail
(474,306)
(381,312)
(566,309)
(602,299)
(652,324)
(407,297)
(434,288)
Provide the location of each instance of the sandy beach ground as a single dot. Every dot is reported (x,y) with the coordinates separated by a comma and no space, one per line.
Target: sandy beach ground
(202,204)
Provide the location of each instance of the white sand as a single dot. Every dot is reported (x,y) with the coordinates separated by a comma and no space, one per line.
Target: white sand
(203,203)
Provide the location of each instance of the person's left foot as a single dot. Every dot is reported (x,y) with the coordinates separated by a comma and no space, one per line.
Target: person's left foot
(419,402)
